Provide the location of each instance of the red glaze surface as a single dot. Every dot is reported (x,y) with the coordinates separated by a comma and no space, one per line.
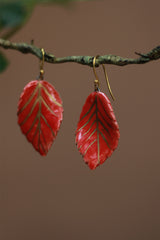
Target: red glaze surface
(40,114)
(97,132)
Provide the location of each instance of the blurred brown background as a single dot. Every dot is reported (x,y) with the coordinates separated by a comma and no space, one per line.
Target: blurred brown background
(58,197)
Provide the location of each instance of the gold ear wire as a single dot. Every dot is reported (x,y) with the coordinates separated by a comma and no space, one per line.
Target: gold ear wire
(42,64)
(107,81)
(96,82)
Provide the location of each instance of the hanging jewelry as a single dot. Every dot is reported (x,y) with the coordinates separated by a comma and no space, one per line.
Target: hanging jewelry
(97,133)
(40,112)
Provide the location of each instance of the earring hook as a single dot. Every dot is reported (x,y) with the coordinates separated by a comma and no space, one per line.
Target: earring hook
(96,82)
(42,64)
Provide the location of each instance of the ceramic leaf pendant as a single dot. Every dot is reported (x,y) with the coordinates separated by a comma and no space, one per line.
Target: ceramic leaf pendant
(97,132)
(40,114)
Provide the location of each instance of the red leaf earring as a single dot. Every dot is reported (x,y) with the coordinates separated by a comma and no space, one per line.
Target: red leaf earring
(97,131)
(40,112)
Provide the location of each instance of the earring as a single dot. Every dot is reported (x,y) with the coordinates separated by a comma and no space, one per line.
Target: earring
(40,112)
(97,131)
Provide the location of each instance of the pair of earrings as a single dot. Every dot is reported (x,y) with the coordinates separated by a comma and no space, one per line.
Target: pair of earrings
(40,113)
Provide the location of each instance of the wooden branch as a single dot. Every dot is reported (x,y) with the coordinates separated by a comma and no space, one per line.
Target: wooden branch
(154,54)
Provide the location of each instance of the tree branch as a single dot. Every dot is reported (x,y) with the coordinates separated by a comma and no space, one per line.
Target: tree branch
(154,54)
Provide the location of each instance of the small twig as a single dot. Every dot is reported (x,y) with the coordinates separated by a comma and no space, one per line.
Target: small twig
(154,54)
(140,54)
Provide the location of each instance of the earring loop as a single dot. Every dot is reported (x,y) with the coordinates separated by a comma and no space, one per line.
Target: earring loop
(96,82)
(42,64)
